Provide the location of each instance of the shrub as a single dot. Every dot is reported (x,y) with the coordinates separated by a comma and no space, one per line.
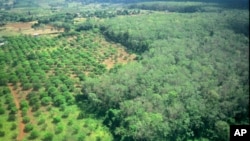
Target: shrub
(2,133)
(65,114)
(59,129)
(36,107)
(24,104)
(26,119)
(37,86)
(27,86)
(34,135)
(24,111)
(12,117)
(41,121)
(75,130)
(81,115)
(46,101)
(48,137)
(98,138)
(13,126)
(28,128)
(81,137)
(56,119)
(2,111)
(14,136)
(70,122)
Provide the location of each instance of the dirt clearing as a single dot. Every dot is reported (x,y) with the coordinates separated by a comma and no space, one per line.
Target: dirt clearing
(21,125)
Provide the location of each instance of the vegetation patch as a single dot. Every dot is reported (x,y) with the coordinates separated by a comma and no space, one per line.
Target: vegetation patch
(115,70)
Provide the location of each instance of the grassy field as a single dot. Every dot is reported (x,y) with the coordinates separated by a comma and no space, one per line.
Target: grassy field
(24,28)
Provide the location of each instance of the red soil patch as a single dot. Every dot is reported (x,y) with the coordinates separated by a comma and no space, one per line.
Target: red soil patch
(17,99)
(17,103)
(122,57)
(30,115)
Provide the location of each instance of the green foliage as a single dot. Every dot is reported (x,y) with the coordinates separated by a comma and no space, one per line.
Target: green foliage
(81,137)
(24,104)
(189,80)
(4,79)
(65,114)
(98,138)
(59,129)
(56,119)
(11,117)
(48,136)
(222,128)
(59,100)
(13,126)
(2,133)
(26,119)
(2,110)
(81,115)
(27,86)
(28,127)
(34,134)
(13,110)
(41,121)
(46,101)
(187,84)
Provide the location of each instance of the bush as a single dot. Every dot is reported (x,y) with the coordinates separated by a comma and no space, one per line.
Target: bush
(48,137)
(46,101)
(2,111)
(24,104)
(12,117)
(56,119)
(36,107)
(65,114)
(81,115)
(37,86)
(8,100)
(24,111)
(14,136)
(59,129)
(13,126)
(28,128)
(11,105)
(70,122)
(81,137)
(2,133)
(27,86)
(26,119)
(98,138)
(34,135)
(75,130)
(41,121)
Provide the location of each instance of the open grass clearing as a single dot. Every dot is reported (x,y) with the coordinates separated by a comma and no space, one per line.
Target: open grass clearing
(19,28)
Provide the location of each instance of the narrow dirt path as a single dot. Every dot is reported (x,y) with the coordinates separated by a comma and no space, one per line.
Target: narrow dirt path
(19,114)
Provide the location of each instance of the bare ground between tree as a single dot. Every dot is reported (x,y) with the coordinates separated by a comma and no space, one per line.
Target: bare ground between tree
(21,125)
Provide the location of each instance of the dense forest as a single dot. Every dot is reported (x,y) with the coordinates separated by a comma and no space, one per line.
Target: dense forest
(134,70)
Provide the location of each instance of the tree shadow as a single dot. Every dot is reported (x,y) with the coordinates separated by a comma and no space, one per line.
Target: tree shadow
(239,27)
(200,7)
(230,4)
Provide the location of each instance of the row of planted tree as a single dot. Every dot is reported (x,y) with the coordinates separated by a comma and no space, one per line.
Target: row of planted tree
(45,75)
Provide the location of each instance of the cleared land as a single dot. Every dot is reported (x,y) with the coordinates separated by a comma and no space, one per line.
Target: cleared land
(25,28)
